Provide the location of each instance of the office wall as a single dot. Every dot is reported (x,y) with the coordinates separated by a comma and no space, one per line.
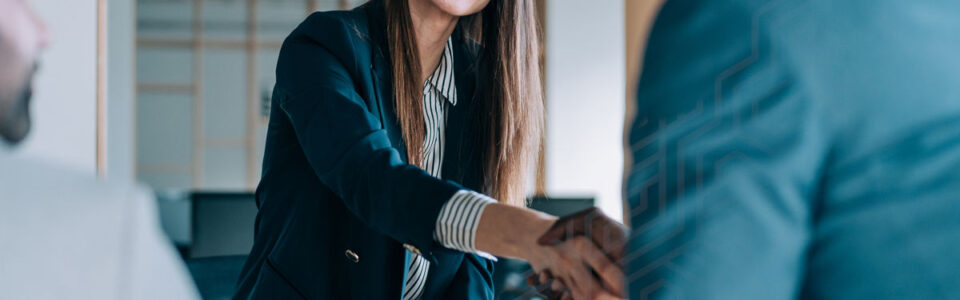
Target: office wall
(585,107)
(64,104)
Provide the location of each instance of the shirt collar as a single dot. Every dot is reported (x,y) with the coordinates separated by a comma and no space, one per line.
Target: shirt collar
(442,79)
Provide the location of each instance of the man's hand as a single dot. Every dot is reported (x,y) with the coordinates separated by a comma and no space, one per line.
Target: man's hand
(578,267)
(581,266)
(607,235)
(548,286)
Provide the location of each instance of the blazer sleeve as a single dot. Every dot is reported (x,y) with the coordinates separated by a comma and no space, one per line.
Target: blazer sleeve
(473,280)
(727,154)
(342,139)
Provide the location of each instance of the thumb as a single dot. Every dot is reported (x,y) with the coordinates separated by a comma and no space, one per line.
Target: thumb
(567,227)
(554,235)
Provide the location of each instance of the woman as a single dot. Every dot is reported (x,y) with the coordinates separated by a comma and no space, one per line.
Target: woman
(371,108)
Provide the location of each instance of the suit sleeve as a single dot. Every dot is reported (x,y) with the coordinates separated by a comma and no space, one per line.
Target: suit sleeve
(473,280)
(726,154)
(341,135)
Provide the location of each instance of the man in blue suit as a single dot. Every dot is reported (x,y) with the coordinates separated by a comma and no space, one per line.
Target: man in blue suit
(797,149)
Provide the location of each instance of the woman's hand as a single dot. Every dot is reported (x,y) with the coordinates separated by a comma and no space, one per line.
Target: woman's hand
(607,234)
(513,232)
(548,286)
(574,263)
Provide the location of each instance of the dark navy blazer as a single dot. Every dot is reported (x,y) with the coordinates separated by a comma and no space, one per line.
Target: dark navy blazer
(335,177)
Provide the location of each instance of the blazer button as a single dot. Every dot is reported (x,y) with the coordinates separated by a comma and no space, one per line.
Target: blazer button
(352,256)
(412,249)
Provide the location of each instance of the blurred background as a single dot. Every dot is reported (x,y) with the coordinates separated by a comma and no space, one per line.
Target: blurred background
(174,94)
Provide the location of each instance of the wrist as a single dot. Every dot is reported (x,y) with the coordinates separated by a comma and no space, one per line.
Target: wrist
(510,231)
(526,239)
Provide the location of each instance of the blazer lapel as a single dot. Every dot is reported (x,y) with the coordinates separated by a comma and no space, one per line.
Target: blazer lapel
(383,78)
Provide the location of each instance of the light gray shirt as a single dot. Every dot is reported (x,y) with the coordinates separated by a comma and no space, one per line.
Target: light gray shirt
(64,235)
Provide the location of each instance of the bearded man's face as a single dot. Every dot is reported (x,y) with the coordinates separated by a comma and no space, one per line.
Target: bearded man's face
(22,37)
(15,112)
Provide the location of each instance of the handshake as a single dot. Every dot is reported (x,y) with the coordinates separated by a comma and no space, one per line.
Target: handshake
(583,258)
(575,257)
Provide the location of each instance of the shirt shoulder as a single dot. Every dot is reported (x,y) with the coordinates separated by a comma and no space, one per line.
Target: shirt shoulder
(36,182)
(59,223)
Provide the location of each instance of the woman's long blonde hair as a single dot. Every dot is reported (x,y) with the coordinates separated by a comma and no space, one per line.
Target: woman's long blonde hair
(510,93)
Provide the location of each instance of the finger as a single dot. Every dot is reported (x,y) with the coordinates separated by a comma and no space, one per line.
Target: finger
(533,279)
(610,274)
(561,231)
(610,235)
(557,286)
(547,285)
(604,295)
(555,290)
(596,290)
(567,227)
(579,278)
(576,291)
(544,286)
(568,274)
(585,285)
(547,290)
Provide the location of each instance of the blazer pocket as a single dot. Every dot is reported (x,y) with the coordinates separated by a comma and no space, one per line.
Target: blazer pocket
(271,284)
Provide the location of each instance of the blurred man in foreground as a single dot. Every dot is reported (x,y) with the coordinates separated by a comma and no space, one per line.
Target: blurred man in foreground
(797,149)
(66,235)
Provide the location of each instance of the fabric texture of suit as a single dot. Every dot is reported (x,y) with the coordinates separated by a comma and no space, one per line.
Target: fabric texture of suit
(335,176)
(797,149)
(68,235)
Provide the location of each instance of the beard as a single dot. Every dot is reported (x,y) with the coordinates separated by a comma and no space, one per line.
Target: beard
(15,114)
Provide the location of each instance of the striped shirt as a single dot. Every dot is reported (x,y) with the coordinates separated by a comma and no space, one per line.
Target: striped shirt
(457,223)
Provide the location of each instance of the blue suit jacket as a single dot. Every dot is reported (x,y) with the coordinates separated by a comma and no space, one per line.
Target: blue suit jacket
(798,149)
(335,177)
